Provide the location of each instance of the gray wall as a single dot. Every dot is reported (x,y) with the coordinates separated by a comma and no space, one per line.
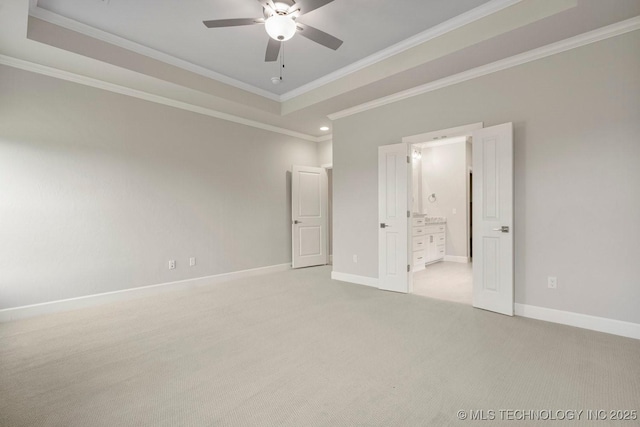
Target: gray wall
(99,190)
(577,169)
(325,152)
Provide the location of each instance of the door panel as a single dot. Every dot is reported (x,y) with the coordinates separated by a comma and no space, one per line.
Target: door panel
(309,214)
(310,241)
(493,219)
(310,203)
(393,232)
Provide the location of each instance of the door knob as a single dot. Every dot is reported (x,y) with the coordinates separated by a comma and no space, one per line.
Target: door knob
(504,229)
(297,222)
(383,225)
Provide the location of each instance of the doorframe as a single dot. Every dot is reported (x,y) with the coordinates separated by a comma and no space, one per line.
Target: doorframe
(470,210)
(433,136)
(327,167)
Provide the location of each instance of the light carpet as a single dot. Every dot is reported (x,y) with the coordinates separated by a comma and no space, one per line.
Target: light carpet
(299,349)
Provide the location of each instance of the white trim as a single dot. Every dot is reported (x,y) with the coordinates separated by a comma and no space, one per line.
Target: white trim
(443,133)
(87,30)
(452,24)
(352,278)
(600,34)
(327,166)
(26,311)
(600,324)
(325,138)
(455,258)
(448,141)
(112,87)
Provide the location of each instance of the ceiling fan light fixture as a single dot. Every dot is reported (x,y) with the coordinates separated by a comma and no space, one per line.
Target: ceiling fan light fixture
(280,27)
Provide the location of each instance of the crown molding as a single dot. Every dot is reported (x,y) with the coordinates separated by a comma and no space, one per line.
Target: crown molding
(87,30)
(111,87)
(324,138)
(603,33)
(452,24)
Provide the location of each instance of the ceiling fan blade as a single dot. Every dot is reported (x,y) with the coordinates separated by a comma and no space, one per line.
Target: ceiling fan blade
(319,36)
(267,4)
(273,50)
(217,23)
(306,6)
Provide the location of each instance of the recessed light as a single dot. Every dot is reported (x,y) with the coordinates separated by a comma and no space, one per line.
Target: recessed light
(324,128)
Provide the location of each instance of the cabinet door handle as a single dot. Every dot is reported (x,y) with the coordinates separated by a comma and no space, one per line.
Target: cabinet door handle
(297,222)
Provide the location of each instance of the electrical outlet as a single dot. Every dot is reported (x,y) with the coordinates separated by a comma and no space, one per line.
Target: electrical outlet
(355,258)
(552,282)
(192,261)
(172,264)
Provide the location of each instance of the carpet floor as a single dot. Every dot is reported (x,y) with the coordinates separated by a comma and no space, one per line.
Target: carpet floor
(299,349)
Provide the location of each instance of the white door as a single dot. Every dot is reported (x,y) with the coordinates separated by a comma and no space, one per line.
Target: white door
(493,218)
(393,221)
(309,215)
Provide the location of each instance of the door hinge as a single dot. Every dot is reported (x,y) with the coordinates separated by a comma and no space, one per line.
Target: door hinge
(408,268)
(408,159)
(408,214)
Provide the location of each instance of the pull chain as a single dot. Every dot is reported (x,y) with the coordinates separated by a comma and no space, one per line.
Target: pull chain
(281,60)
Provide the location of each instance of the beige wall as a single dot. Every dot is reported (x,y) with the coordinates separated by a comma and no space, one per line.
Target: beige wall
(325,152)
(577,168)
(444,173)
(99,190)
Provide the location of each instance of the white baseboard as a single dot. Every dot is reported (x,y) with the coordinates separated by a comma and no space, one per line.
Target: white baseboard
(453,258)
(600,324)
(352,278)
(33,310)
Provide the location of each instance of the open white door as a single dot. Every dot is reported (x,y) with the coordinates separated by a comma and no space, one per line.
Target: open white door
(493,218)
(393,205)
(309,215)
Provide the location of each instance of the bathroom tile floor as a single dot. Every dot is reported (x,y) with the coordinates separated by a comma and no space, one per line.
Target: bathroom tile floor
(445,280)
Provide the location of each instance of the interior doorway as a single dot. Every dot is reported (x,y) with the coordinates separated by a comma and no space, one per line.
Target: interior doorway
(419,238)
(441,218)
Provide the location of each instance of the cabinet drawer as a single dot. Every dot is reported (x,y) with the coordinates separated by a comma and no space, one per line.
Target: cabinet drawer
(417,231)
(440,252)
(439,238)
(419,243)
(417,222)
(419,258)
(436,228)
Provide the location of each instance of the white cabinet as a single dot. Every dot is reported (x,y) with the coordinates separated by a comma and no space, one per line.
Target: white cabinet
(428,243)
(435,242)
(419,244)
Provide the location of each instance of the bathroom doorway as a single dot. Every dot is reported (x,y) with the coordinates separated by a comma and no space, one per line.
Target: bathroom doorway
(403,239)
(441,210)
(441,218)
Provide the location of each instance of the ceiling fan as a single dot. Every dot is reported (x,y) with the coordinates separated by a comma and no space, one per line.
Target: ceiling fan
(280,21)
